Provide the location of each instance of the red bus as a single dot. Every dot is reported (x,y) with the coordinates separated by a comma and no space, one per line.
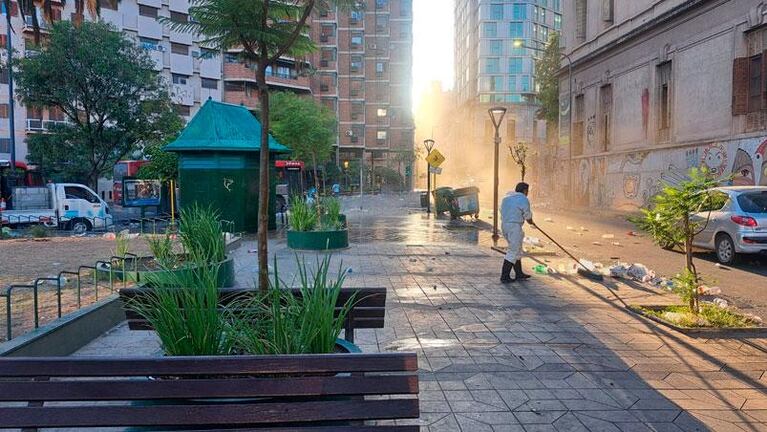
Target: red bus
(122,169)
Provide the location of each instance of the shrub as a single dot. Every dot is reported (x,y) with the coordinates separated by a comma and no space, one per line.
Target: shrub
(302,215)
(39,231)
(122,245)
(162,250)
(201,234)
(332,214)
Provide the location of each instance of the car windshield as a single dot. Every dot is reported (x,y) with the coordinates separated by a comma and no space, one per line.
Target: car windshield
(753,202)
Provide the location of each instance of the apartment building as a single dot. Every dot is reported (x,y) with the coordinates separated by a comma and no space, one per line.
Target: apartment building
(194,73)
(660,87)
(496,45)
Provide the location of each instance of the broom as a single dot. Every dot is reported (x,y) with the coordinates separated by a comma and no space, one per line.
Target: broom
(583,270)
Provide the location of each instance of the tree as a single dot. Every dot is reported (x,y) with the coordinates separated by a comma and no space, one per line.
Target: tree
(264,30)
(519,155)
(309,129)
(547,78)
(107,91)
(162,165)
(675,216)
(29,8)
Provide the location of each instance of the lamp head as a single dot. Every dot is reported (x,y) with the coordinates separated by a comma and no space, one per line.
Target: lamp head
(496,115)
(346,164)
(518,43)
(429,144)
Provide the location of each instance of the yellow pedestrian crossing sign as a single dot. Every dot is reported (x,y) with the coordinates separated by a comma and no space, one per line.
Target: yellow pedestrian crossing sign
(435,158)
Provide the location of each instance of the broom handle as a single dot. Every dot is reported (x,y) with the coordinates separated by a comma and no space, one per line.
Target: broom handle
(563,249)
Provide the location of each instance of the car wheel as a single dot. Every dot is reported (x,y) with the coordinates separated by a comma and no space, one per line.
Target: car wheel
(725,249)
(79,226)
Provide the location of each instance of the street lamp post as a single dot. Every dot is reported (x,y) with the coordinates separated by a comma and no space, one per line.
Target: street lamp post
(429,144)
(496,115)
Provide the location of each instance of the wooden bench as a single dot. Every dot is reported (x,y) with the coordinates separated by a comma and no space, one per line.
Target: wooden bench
(333,392)
(368,312)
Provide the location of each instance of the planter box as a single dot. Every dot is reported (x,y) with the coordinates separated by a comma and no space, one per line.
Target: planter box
(702,332)
(318,240)
(225,273)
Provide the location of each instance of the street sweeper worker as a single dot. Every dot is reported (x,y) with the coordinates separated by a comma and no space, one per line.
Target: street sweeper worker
(515,211)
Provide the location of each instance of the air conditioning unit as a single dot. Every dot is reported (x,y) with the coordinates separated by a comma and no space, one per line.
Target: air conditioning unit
(372,46)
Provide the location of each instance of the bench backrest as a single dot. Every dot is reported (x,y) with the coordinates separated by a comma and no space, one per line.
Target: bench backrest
(281,392)
(368,312)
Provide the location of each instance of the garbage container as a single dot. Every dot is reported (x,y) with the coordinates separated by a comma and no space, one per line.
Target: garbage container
(465,202)
(424,201)
(442,199)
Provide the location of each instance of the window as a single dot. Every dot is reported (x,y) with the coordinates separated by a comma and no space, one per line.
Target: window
(580,21)
(519,11)
(496,11)
(525,82)
(55,113)
(664,100)
(605,116)
(381,135)
(355,16)
(715,201)
(382,23)
(207,53)
(577,132)
(108,4)
(34,113)
(355,63)
(148,11)
(515,65)
(405,7)
(231,58)
(357,110)
(489,29)
(179,79)
(5,145)
(381,112)
(209,83)
(177,48)
(356,41)
(150,44)
(179,17)
(380,67)
(755,84)
(495,47)
(753,202)
(513,83)
(4,110)
(183,110)
(492,65)
(3,75)
(607,11)
(557,21)
(381,4)
(75,192)
(517,30)
(497,84)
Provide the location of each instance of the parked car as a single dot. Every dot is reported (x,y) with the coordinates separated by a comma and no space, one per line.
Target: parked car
(737,223)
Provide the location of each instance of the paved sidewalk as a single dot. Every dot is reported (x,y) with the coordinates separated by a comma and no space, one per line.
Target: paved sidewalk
(550,354)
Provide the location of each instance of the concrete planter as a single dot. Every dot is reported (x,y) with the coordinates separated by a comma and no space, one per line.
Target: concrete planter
(151,277)
(318,240)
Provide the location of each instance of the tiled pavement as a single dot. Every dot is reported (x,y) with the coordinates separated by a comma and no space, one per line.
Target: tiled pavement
(550,354)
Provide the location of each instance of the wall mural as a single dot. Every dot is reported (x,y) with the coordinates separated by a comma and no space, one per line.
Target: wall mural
(692,157)
(742,169)
(715,159)
(761,162)
(591,131)
(631,185)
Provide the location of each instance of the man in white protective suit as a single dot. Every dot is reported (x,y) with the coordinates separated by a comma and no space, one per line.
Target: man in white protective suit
(515,211)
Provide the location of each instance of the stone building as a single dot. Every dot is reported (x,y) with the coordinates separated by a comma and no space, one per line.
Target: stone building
(660,87)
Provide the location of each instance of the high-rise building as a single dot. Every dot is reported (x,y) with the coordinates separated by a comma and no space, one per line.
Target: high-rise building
(496,44)
(193,72)
(361,71)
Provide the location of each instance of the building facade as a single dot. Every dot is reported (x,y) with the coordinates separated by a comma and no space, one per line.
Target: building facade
(496,45)
(660,87)
(193,73)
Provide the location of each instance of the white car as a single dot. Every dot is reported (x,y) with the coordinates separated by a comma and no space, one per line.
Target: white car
(738,226)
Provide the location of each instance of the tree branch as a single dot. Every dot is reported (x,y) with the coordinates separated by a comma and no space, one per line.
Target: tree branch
(296,32)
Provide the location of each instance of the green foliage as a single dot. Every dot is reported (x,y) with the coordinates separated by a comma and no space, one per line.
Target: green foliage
(302,215)
(162,250)
(281,323)
(670,221)
(201,234)
(710,316)
(39,231)
(546,76)
(389,176)
(122,245)
(162,165)
(183,309)
(109,93)
(331,219)
(686,287)
(309,129)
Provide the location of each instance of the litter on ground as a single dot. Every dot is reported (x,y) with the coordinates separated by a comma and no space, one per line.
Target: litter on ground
(608,236)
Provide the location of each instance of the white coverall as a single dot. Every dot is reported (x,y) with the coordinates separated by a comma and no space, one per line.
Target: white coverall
(515,210)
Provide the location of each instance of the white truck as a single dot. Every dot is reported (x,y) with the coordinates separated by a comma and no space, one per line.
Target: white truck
(67,206)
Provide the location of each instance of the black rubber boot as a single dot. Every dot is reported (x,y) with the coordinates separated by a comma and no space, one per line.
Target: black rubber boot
(518,274)
(506,272)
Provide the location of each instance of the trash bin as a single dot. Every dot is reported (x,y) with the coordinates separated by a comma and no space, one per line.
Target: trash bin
(424,201)
(443,197)
(465,202)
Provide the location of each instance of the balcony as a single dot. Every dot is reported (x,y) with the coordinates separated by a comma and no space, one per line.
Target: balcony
(249,100)
(40,125)
(292,81)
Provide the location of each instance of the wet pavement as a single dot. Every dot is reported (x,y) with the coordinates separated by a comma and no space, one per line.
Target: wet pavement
(555,353)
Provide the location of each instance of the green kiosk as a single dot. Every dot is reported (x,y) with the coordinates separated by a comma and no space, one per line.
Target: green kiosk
(218,164)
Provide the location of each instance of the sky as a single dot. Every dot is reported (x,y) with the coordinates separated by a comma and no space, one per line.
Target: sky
(432,45)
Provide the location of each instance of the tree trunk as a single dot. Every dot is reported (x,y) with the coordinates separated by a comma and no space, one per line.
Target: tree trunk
(263,182)
(317,190)
(694,306)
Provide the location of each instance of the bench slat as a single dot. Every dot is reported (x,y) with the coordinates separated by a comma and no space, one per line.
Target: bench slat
(127,390)
(212,415)
(228,365)
(388,428)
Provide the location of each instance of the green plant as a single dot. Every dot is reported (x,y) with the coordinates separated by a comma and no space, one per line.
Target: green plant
(183,309)
(122,245)
(709,316)
(39,231)
(332,217)
(282,323)
(674,218)
(162,250)
(302,215)
(201,234)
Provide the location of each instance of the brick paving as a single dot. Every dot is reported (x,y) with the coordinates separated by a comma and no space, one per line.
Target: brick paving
(549,354)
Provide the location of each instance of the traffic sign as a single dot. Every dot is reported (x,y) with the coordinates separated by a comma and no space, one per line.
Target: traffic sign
(435,158)
(435,170)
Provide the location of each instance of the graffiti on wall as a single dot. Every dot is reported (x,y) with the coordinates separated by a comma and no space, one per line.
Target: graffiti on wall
(591,131)
(631,185)
(692,157)
(761,162)
(742,169)
(714,158)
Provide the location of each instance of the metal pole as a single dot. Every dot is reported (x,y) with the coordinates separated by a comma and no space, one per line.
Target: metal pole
(11,121)
(428,187)
(495,186)
(362,161)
